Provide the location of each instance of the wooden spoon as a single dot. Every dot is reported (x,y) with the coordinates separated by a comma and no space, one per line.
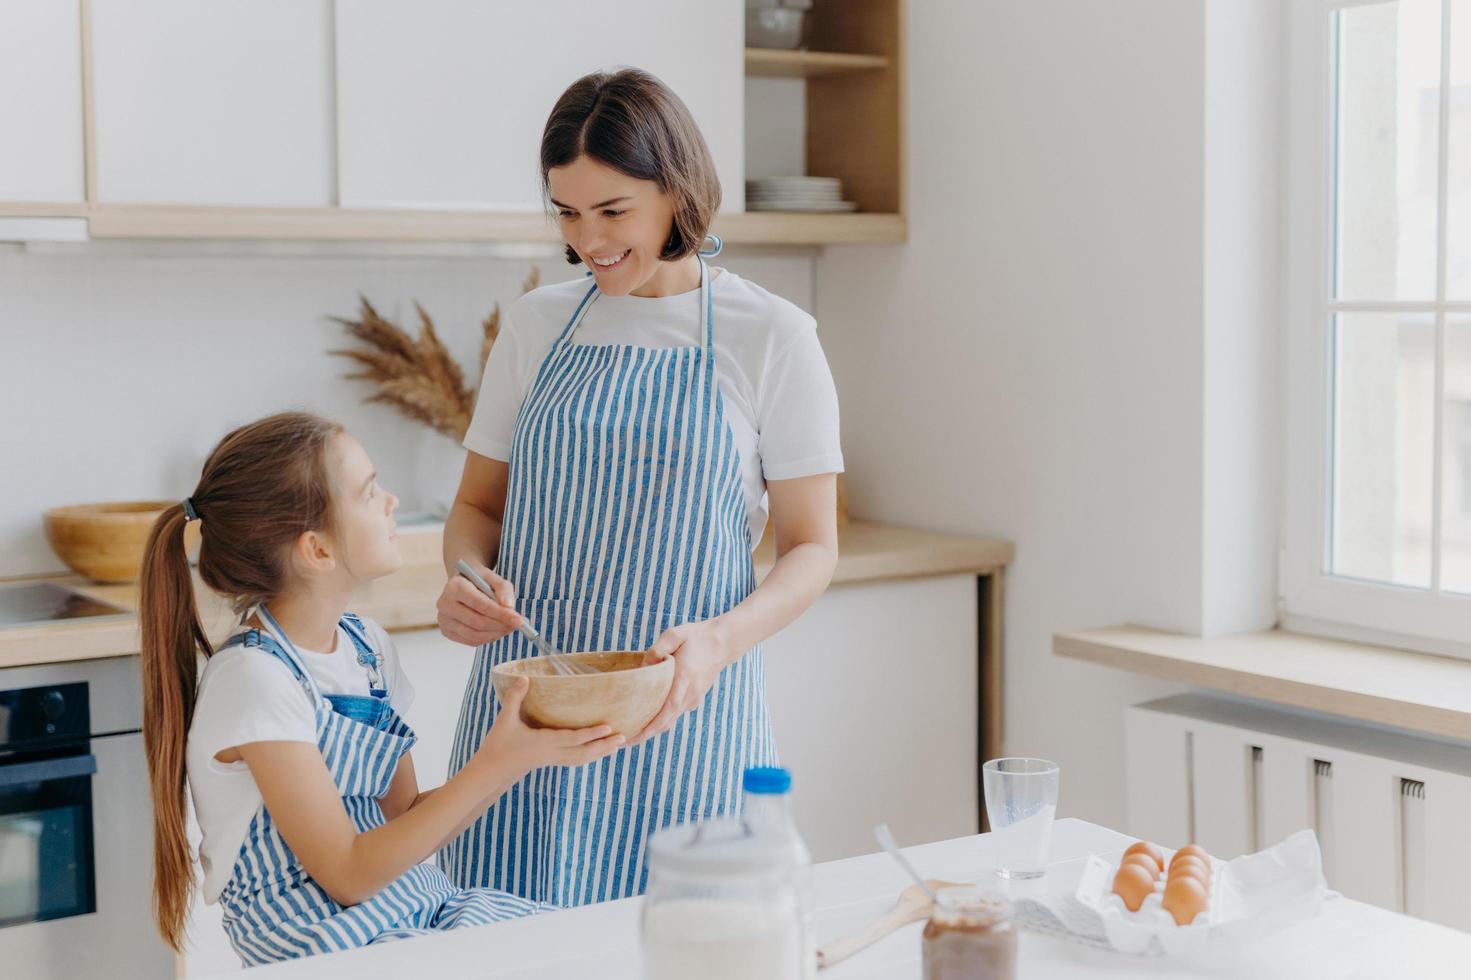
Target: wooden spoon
(913,905)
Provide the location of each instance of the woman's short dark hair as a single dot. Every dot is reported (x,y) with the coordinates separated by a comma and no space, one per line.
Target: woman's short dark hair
(632,122)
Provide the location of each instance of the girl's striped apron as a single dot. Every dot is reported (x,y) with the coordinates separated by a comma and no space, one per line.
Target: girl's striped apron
(272,909)
(625,515)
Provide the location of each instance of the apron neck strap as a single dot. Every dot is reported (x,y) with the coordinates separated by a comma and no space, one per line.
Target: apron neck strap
(713,247)
(707,315)
(289,648)
(581,311)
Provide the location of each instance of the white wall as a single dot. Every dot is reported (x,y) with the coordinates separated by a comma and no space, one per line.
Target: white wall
(1243,343)
(1030,364)
(776,127)
(1044,360)
(121,366)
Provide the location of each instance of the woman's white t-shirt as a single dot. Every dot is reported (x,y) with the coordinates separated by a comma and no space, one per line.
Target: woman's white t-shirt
(779,396)
(247,695)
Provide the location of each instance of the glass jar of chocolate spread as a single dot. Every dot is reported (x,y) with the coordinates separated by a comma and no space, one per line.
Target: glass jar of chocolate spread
(970,936)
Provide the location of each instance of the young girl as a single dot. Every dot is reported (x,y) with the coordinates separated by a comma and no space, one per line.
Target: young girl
(291,739)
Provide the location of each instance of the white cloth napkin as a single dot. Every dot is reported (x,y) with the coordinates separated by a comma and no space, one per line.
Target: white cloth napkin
(1063,916)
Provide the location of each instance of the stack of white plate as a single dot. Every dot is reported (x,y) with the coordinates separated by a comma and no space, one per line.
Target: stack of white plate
(797,194)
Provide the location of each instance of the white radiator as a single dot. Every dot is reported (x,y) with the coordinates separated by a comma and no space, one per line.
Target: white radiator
(1392,812)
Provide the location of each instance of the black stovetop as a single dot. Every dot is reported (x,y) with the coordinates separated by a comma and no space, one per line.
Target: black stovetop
(43,602)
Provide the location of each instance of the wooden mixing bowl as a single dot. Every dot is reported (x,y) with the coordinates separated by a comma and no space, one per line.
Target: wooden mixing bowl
(624,693)
(105,542)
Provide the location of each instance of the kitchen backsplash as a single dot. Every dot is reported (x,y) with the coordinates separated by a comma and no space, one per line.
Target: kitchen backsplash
(120,366)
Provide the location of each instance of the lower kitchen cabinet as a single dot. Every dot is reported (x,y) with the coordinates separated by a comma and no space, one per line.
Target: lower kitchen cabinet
(207,951)
(873,697)
(439,670)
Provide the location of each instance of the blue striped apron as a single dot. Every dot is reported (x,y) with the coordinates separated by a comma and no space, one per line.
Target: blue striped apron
(272,909)
(625,515)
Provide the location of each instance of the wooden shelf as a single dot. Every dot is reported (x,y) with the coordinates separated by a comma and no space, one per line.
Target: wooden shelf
(773,63)
(774,228)
(855,118)
(1413,691)
(116,221)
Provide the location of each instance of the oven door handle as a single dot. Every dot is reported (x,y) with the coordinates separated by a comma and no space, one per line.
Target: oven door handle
(65,767)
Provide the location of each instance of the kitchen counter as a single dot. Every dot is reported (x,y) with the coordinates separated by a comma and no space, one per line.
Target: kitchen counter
(1347,939)
(405,600)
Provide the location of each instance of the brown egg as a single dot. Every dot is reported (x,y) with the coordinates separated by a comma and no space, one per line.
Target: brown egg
(1193,866)
(1185,898)
(1188,850)
(1146,848)
(1144,861)
(1133,884)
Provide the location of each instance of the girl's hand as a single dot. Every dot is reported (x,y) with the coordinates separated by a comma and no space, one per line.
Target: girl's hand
(511,742)
(700,653)
(467,616)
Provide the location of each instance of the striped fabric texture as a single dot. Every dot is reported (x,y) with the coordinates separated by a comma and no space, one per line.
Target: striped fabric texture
(624,516)
(274,911)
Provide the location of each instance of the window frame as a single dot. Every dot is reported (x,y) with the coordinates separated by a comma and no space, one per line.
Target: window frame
(1309,598)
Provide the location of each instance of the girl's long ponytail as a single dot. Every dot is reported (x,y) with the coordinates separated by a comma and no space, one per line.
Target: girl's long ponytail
(173,639)
(261,488)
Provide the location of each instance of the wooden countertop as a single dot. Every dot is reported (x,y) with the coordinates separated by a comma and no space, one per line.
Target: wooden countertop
(405,600)
(1417,692)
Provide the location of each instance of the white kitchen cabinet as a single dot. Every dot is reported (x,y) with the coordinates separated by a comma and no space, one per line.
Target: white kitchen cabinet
(874,696)
(441,103)
(219,102)
(207,950)
(41,110)
(439,670)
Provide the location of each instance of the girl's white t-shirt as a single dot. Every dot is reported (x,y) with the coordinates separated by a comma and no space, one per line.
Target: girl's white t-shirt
(779,395)
(247,695)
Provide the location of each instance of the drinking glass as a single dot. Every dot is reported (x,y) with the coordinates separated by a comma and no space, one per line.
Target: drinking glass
(1021,800)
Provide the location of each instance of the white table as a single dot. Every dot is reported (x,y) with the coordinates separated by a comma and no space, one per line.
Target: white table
(1349,939)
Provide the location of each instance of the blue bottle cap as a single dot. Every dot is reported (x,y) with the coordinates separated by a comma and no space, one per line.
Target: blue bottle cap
(767,779)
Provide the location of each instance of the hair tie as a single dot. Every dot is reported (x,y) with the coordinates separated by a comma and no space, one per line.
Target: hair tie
(190,514)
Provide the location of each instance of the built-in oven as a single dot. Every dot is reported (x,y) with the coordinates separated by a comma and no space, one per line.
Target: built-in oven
(75,824)
(47,868)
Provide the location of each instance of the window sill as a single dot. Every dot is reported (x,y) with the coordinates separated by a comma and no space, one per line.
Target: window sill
(1417,692)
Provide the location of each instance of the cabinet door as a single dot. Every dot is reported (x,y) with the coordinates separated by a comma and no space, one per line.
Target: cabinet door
(441,103)
(41,110)
(439,669)
(878,716)
(214,102)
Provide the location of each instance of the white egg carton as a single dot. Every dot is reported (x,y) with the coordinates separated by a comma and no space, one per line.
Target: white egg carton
(1249,896)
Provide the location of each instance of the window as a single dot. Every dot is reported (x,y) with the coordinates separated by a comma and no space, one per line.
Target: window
(1378,525)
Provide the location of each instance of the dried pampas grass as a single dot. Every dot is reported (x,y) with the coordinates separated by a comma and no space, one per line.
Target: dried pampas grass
(417,376)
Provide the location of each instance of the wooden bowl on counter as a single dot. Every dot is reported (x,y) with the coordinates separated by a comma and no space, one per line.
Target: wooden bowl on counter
(105,542)
(624,693)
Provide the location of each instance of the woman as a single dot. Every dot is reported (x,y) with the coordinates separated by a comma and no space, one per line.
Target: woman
(629,436)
